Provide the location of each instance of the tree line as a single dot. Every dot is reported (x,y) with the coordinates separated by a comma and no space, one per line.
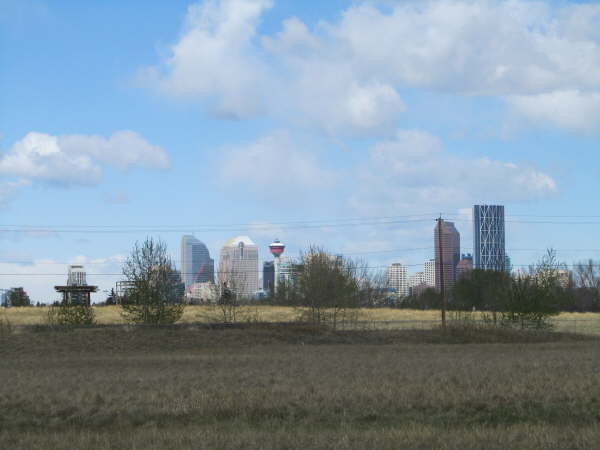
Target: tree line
(330,289)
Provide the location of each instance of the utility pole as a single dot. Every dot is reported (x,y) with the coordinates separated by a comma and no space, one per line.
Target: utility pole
(440,222)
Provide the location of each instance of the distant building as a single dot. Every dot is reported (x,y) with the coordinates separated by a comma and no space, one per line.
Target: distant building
(196,264)
(488,237)
(415,279)
(238,266)
(450,253)
(76,291)
(464,266)
(563,277)
(201,293)
(287,268)
(4,297)
(397,279)
(429,273)
(508,267)
(268,276)
(122,289)
(76,276)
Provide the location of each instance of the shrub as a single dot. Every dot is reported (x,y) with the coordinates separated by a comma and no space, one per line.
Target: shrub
(71,315)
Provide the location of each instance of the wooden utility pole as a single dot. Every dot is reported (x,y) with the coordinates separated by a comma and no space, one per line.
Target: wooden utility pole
(440,222)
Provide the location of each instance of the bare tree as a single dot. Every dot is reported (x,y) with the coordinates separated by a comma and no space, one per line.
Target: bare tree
(230,306)
(327,288)
(587,275)
(586,286)
(156,294)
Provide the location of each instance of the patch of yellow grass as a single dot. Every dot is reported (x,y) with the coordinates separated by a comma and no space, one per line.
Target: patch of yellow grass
(198,313)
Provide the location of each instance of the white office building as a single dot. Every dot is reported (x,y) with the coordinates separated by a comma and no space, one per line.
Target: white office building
(238,266)
(429,273)
(397,279)
(416,279)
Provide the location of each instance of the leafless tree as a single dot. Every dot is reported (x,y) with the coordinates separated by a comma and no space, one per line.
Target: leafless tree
(156,294)
(587,275)
(328,289)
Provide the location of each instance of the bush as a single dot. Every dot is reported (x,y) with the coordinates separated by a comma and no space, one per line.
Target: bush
(71,315)
(326,288)
(156,295)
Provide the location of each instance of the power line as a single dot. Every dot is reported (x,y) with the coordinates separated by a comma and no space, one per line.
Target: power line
(393,252)
(260,271)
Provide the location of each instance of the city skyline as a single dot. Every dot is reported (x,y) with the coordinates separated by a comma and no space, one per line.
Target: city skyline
(293,127)
(416,274)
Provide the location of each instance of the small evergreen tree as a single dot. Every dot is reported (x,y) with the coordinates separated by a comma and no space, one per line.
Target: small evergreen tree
(536,296)
(18,297)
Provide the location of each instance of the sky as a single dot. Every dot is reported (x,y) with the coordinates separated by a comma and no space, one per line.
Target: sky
(349,125)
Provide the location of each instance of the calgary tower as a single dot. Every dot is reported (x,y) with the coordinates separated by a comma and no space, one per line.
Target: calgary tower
(277,249)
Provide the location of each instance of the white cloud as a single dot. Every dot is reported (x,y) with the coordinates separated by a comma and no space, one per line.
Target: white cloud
(484,47)
(215,58)
(413,172)
(571,109)
(343,76)
(124,149)
(271,159)
(78,159)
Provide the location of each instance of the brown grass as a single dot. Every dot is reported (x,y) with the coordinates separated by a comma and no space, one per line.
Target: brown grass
(202,314)
(274,386)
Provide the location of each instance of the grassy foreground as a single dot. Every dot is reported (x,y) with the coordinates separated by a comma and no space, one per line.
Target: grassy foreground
(269,386)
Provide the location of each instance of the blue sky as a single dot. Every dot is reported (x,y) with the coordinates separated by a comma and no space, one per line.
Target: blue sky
(125,119)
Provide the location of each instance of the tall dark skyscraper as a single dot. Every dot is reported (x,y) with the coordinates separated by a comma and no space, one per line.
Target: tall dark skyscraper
(196,264)
(488,237)
(450,253)
(268,276)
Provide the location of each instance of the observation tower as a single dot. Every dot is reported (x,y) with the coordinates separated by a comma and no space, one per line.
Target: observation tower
(276,249)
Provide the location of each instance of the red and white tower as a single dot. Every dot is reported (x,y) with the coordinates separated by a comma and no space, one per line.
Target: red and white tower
(277,249)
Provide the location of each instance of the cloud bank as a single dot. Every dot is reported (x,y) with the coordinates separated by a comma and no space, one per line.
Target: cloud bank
(344,77)
(75,160)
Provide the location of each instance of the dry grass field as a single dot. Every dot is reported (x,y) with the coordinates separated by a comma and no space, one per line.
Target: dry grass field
(274,387)
(197,313)
(377,318)
(107,315)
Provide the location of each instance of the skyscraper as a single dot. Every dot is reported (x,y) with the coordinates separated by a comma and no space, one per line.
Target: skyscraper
(268,276)
(464,266)
(196,264)
(238,266)
(488,237)
(429,272)
(450,254)
(396,279)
